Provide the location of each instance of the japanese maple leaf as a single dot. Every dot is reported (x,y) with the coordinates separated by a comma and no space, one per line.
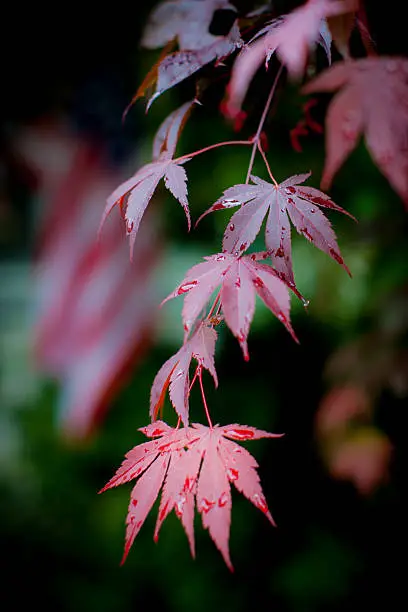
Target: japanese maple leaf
(373,100)
(177,66)
(134,195)
(240,278)
(195,466)
(280,202)
(174,373)
(186,20)
(291,36)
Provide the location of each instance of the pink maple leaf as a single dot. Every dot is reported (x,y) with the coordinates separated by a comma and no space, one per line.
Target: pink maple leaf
(165,140)
(280,202)
(373,100)
(291,36)
(188,21)
(240,278)
(174,373)
(179,65)
(134,195)
(195,465)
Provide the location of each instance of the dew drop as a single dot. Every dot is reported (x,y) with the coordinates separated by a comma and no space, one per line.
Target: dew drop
(305,302)
(231,227)
(312,210)
(220,258)
(258,282)
(232,474)
(260,503)
(129,226)
(188,484)
(179,505)
(186,287)
(238,282)
(223,500)
(206,505)
(240,434)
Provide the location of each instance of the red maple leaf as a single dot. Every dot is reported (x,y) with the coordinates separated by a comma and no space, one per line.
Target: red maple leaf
(174,373)
(187,21)
(291,36)
(240,278)
(280,202)
(373,100)
(134,195)
(195,465)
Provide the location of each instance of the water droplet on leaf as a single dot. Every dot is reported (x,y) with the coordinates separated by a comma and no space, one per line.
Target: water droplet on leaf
(258,282)
(223,500)
(232,474)
(186,287)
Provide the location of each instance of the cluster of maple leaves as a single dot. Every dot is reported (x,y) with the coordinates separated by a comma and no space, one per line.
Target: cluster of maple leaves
(196,464)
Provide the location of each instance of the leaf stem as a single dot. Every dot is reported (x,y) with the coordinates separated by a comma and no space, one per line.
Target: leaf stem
(200,378)
(194,379)
(213,146)
(262,152)
(217,299)
(256,138)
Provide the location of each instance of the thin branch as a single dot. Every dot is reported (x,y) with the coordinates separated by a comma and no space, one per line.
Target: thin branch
(194,379)
(255,139)
(200,378)
(262,152)
(213,146)
(217,299)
